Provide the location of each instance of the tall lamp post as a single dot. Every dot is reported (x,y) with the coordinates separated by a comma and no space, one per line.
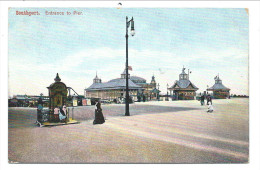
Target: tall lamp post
(126,63)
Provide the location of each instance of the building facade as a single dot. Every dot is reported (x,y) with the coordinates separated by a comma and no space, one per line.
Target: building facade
(183,89)
(114,90)
(219,90)
(27,100)
(149,90)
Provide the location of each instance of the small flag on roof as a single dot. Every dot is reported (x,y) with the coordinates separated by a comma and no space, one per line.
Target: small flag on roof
(130,68)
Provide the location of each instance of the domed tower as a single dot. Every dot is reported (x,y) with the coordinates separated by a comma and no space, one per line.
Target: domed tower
(57,78)
(217,80)
(183,75)
(97,80)
(153,82)
(123,75)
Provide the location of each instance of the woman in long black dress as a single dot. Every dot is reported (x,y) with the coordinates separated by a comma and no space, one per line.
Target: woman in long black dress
(99,118)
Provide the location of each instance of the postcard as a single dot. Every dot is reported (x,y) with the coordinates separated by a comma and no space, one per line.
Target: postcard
(128,85)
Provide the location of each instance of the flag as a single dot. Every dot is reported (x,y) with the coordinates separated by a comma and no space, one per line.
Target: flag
(130,68)
(246,10)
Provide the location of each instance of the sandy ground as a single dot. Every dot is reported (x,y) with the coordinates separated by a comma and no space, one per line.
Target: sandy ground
(156,132)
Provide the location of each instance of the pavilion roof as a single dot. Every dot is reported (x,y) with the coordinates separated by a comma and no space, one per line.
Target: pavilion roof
(118,83)
(183,84)
(218,86)
(134,78)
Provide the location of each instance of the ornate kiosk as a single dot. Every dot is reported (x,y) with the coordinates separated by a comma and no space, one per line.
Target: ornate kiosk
(58,97)
(58,113)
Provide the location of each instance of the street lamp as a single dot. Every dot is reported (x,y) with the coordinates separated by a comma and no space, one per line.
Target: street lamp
(126,63)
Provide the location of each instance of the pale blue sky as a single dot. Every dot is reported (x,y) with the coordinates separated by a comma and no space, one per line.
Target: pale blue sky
(207,41)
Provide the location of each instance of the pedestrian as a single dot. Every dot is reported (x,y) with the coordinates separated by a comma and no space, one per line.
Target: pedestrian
(202,98)
(39,111)
(99,118)
(144,98)
(139,98)
(210,108)
(209,99)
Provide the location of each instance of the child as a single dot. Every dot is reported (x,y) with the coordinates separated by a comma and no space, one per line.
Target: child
(210,108)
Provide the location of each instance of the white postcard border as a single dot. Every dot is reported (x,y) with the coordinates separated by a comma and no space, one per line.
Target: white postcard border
(254,29)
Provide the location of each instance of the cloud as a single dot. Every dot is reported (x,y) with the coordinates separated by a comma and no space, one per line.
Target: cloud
(79,69)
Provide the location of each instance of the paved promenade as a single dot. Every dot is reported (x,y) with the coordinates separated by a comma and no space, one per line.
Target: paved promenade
(156,132)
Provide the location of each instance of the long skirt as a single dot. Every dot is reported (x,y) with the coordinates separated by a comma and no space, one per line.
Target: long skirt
(99,118)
